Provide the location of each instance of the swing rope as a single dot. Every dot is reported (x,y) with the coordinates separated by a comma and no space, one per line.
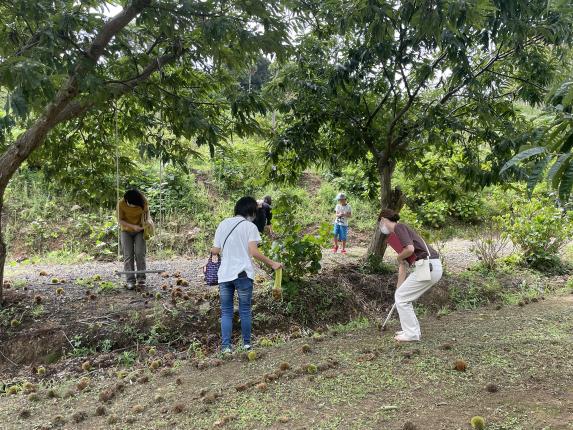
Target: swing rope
(117,184)
(117,181)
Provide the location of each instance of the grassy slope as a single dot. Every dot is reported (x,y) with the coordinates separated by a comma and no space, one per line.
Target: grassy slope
(377,384)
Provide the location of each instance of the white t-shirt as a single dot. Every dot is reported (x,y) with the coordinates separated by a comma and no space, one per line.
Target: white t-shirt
(235,256)
(346,209)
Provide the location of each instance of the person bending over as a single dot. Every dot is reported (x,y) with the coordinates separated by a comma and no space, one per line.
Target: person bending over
(409,288)
(131,212)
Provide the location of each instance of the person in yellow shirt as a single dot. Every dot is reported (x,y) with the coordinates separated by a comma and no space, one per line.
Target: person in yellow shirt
(130,213)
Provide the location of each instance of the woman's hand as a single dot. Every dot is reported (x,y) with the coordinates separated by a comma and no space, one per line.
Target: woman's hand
(276,265)
(137,228)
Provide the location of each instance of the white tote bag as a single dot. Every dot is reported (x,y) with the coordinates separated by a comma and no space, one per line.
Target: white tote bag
(422,268)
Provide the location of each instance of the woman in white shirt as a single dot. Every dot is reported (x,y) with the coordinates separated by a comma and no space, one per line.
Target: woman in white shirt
(236,241)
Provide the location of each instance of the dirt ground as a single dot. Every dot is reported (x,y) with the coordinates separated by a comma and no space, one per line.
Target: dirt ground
(352,377)
(337,376)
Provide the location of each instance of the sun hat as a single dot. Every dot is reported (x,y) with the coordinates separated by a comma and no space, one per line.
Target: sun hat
(341,196)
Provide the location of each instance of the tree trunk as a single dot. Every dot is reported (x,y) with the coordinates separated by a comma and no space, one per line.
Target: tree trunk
(389,199)
(2,253)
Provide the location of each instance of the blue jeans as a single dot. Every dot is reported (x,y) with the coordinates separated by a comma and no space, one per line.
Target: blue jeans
(244,287)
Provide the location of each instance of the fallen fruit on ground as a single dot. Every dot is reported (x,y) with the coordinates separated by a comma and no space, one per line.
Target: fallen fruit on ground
(492,388)
(477,423)
(460,365)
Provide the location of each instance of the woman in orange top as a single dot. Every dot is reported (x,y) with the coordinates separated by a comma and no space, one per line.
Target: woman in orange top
(130,211)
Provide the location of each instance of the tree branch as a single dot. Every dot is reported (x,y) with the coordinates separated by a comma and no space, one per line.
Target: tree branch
(114,26)
(498,56)
(118,88)
(410,101)
(380,105)
(517,78)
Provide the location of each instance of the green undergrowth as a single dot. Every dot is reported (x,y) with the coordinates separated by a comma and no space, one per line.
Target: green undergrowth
(507,284)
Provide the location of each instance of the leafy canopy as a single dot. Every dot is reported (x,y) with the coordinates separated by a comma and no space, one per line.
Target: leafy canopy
(385,80)
(170,77)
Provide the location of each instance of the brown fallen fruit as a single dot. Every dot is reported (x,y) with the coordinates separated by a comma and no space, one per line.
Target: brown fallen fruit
(178,408)
(106,395)
(460,365)
(79,416)
(262,386)
(491,388)
(83,384)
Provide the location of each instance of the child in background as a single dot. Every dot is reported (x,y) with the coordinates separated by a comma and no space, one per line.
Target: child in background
(343,212)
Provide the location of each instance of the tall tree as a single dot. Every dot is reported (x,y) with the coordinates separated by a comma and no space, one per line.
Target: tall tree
(63,63)
(380,79)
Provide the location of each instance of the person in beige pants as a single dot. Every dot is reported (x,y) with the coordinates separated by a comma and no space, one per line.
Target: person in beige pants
(409,288)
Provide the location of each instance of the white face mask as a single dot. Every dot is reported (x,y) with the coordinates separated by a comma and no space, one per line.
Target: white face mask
(384,229)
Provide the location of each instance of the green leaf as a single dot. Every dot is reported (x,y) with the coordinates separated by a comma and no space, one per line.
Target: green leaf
(523,156)
(537,173)
(557,169)
(566,182)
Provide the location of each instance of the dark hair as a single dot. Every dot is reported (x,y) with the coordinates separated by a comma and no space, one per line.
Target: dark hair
(246,206)
(389,214)
(134,197)
(268,200)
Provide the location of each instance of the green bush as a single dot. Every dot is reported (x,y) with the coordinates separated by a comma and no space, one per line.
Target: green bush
(300,253)
(409,217)
(467,207)
(240,169)
(540,230)
(434,213)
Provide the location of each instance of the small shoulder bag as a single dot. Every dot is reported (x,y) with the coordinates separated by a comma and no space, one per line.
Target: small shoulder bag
(423,268)
(211,269)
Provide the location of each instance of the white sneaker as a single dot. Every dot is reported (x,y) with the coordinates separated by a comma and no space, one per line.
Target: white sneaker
(404,338)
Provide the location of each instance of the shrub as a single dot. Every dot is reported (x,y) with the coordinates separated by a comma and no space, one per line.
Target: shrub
(467,207)
(540,230)
(300,253)
(409,217)
(434,213)
(489,244)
